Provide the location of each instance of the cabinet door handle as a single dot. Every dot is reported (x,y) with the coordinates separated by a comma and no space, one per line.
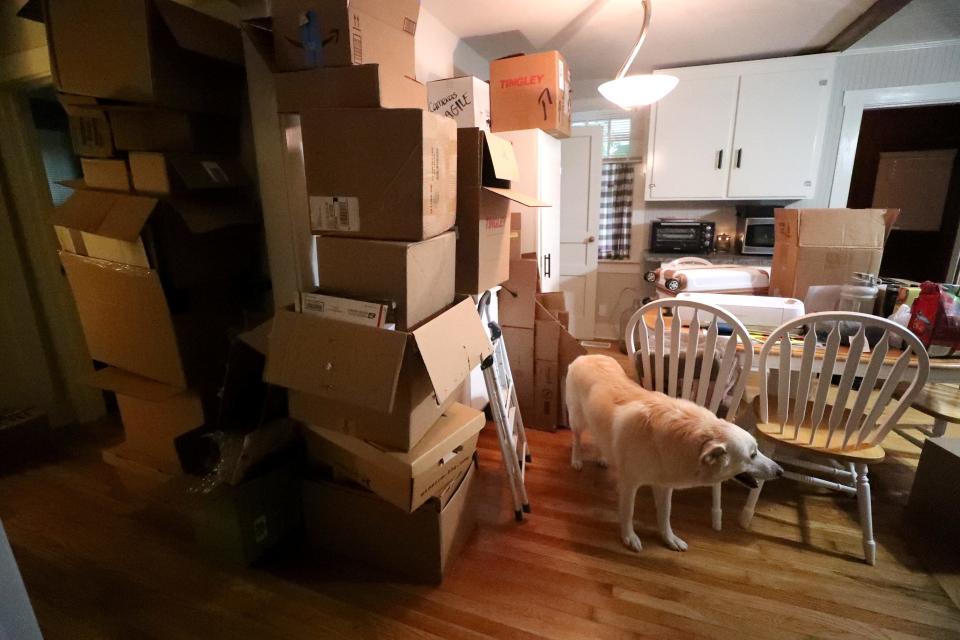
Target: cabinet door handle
(546,265)
(720,159)
(739,155)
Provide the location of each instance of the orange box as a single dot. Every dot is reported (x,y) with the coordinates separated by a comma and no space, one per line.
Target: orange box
(531,92)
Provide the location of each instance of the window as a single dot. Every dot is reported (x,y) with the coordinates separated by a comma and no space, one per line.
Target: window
(616,135)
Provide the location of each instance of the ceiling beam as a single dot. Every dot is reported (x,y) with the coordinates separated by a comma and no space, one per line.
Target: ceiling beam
(865,23)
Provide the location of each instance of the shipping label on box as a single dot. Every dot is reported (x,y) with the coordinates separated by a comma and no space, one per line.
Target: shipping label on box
(370,314)
(466,100)
(334,213)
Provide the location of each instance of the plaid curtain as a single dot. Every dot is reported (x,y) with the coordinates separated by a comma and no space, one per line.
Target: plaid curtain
(616,211)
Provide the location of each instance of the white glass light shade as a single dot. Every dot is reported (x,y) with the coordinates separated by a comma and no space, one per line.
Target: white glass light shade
(639,90)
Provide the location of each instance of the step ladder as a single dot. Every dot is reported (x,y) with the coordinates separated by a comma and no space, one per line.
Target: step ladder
(506,411)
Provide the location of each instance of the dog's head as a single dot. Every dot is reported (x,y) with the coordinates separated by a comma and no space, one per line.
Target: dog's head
(734,454)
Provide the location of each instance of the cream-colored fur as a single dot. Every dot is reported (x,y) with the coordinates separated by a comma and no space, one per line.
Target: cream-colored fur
(653,439)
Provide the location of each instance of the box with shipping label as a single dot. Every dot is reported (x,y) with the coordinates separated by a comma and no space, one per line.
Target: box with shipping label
(386,174)
(337,33)
(349,521)
(485,167)
(155,52)
(417,276)
(465,99)
(106,173)
(363,312)
(177,173)
(520,343)
(376,371)
(826,246)
(530,92)
(545,410)
(406,480)
(188,241)
(518,296)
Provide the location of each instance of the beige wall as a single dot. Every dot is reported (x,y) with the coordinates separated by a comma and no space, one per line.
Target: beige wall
(17,34)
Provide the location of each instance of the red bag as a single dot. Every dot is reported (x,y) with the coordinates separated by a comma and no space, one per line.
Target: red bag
(935,317)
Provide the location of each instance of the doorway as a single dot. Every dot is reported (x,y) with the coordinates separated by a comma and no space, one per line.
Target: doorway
(907,158)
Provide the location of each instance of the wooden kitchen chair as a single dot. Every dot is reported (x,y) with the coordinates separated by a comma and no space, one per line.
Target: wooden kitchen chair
(939,401)
(684,356)
(812,422)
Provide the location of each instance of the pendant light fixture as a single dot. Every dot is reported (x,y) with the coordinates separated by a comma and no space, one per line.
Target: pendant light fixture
(632,92)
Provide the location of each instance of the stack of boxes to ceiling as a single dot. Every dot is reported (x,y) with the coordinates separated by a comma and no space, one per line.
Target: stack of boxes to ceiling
(375,356)
(158,232)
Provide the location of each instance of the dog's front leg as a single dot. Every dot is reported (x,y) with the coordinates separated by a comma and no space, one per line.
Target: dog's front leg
(628,495)
(663,497)
(576,453)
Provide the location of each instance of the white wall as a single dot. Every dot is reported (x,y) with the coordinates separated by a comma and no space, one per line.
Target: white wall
(441,54)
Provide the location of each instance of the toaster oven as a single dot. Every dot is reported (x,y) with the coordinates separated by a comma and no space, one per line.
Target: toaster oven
(682,236)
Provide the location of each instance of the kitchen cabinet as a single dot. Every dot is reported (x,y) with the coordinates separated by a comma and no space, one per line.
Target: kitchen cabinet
(740,131)
(539,164)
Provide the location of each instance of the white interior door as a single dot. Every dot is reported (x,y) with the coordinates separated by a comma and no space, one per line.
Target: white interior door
(579,221)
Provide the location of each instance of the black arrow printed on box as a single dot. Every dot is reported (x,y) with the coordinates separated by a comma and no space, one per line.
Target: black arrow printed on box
(544,99)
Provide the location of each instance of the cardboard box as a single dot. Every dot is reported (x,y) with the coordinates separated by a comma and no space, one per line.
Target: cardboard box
(516,245)
(485,167)
(546,335)
(351,522)
(417,276)
(545,410)
(465,99)
(188,241)
(238,524)
(102,173)
(387,174)
(531,92)
(175,173)
(368,314)
(376,371)
(148,51)
(519,343)
(930,507)
(518,296)
(337,33)
(152,425)
(826,246)
(406,480)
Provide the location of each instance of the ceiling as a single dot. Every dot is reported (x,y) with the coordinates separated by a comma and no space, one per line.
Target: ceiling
(596,35)
(920,21)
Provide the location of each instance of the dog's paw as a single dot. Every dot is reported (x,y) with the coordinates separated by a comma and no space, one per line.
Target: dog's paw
(602,463)
(576,464)
(674,542)
(632,541)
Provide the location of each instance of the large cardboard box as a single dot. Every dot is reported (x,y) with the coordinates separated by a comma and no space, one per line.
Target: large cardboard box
(518,297)
(151,426)
(546,335)
(148,51)
(520,343)
(826,246)
(387,174)
(375,373)
(406,480)
(421,546)
(465,99)
(485,167)
(545,410)
(176,173)
(531,92)
(189,241)
(336,33)
(417,276)
(106,173)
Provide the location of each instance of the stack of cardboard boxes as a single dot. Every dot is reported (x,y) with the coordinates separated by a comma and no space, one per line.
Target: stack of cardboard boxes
(158,231)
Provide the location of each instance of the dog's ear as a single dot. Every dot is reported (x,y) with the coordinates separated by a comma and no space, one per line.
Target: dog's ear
(713,453)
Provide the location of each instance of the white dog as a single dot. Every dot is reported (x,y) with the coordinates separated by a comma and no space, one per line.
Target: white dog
(653,439)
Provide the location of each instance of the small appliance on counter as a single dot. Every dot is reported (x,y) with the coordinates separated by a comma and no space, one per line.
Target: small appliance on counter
(677,235)
(756,230)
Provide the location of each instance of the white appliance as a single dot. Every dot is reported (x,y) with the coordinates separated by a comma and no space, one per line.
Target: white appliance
(755,312)
(692,274)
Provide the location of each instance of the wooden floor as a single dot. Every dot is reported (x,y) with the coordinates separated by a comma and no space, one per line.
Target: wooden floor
(100,563)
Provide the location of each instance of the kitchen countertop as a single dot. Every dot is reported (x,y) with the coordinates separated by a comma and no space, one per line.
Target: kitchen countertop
(716,258)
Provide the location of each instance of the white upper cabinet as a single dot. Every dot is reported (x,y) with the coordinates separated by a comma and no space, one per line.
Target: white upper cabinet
(741,131)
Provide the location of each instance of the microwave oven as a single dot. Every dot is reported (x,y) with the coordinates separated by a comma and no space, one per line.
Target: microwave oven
(755,236)
(682,236)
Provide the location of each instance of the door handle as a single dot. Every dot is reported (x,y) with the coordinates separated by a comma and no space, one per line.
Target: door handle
(546,265)
(590,240)
(720,159)
(739,155)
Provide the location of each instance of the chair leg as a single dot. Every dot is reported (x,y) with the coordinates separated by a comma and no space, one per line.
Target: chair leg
(746,516)
(866,514)
(939,428)
(717,511)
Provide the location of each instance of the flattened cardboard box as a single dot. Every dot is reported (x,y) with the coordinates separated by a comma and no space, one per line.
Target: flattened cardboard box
(147,51)
(337,33)
(417,276)
(387,174)
(172,173)
(362,366)
(531,92)
(351,522)
(465,99)
(825,246)
(406,480)
(485,167)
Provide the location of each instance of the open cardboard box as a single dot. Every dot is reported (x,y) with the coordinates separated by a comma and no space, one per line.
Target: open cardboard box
(148,51)
(379,384)
(417,276)
(406,480)
(351,522)
(485,166)
(189,241)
